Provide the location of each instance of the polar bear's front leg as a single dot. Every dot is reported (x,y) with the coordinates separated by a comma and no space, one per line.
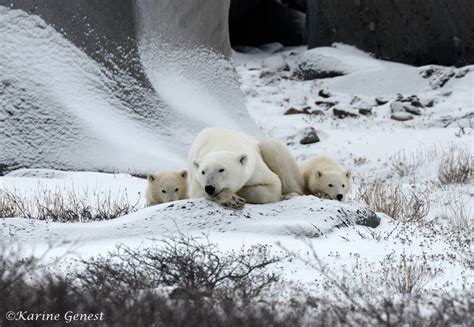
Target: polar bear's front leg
(228,199)
(262,193)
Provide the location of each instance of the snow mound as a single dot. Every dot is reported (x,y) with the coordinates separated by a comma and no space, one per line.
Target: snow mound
(304,216)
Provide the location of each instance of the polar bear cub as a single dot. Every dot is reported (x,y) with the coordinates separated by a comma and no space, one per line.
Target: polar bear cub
(325,176)
(166,186)
(227,167)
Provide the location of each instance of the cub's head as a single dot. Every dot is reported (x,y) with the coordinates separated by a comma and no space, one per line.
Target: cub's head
(220,170)
(333,184)
(169,185)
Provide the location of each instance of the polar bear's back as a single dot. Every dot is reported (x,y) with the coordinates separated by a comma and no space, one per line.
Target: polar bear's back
(322,163)
(214,139)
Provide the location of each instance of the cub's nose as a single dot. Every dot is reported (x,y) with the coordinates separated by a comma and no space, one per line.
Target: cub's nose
(339,197)
(210,189)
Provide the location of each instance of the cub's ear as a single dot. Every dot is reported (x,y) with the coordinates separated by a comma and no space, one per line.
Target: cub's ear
(150,178)
(348,174)
(196,164)
(243,158)
(319,173)
(184,173)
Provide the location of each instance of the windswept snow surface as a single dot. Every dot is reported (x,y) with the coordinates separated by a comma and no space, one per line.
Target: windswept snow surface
(369,145)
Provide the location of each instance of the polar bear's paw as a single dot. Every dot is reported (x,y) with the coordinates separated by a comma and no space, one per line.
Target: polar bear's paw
(227,198)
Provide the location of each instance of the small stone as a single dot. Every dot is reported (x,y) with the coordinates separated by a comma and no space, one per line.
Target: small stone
(324,94)
(339,113)
(309,136)
(401,116)
(326,104)
(294,111)
(365,111)
(381,101)
(412,110)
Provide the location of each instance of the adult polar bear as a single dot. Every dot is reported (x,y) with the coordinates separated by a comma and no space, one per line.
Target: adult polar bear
(231,168)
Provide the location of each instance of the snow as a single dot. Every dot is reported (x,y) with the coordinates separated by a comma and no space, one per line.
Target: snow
(366,144)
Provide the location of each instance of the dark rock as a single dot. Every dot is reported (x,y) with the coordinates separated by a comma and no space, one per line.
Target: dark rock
(264,21)
(308,72)
(412,110)
(413,32)
(309,136)
(326,104)
(324,94)
(365,111)
(381,101)
(339,113)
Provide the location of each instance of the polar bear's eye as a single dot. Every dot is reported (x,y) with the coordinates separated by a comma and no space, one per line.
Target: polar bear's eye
(221,170)
(330,185)
(202,172)
(343,185)
(176,190)
(163,191)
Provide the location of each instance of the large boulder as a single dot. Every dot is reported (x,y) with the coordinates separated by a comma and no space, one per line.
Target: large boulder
(113,85)
(253,23)
(413,32)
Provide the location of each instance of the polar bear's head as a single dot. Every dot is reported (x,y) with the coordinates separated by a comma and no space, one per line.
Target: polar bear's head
(221,170)
(167,186)
(333,184)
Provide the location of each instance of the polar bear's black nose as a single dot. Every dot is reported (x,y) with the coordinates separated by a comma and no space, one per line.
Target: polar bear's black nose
(339,197)
(210,189)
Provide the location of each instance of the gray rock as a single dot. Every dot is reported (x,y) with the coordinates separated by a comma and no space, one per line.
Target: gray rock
(413,32)
(380,101)
(309,136)
(397,106)
(401,116)
(365,111)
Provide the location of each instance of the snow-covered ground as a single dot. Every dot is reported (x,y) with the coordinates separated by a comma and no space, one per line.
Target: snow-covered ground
(371,143)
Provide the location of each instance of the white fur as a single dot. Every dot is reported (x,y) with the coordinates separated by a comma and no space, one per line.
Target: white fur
(245,175)
(324,175)
(166,186)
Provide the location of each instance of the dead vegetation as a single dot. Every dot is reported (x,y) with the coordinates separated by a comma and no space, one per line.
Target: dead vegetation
(456,166)
(65,205)
(394,201)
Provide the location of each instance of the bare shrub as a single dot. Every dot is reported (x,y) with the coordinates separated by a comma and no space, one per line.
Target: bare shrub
(405,163)
(187,263)
(456,166)
(408,274)
(393,201)
(65,206)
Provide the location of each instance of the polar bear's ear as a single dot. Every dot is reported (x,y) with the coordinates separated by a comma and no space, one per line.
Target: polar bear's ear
(319,173)
(348,174)
(243,159)
(184,173)
(196,164)
(150,178)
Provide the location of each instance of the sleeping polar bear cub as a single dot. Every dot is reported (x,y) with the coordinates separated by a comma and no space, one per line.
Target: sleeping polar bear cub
(227,167)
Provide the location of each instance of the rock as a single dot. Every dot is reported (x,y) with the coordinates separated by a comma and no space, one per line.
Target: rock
(401,116)
(313,65)
(326,104)
(365,111)
(309,136)
(294,111)
(339,113)
(381,101)
(324,94)
(412,110)
(257,22)
(412,32)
